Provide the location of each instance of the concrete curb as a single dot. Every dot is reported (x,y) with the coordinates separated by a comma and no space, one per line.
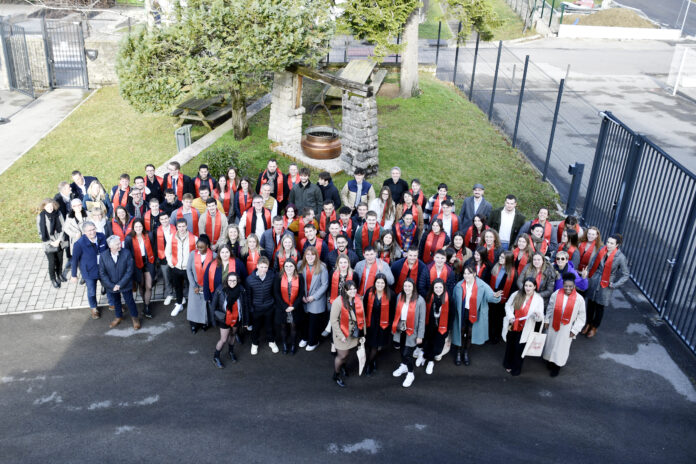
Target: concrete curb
(20,246)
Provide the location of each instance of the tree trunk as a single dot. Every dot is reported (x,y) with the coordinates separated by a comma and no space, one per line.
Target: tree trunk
(409,64)
(240,124)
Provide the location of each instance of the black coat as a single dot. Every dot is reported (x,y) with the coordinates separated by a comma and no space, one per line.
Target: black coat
(397,190)
(76,191)
(260,292)
(517,222)
(330,192)
(119,273)
(218,305)
(298,313)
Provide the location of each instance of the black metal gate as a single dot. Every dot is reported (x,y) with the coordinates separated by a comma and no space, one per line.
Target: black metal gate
(14,46)
(65,49)
(638,190)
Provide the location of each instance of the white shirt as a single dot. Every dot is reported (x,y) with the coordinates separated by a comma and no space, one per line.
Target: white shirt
(477,203)
(469,289)
(506,225)
(114,257)
(404,311)
(447,225)
(141,244)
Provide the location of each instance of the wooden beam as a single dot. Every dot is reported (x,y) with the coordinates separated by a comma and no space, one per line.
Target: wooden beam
(298,94)
(356,88)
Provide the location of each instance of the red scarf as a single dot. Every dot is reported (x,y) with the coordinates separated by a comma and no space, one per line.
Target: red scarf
(491,254)
(289,299)
(330,242)
(436,207)
(308,278)
(120,198)
(252,260)
(335,278)
(518,325)
(480,268)
(410,316)
(444,313)
(443,275)
(544,246)
(251,220)
(385,256)
(147,219)
(418,198)
(345,317)
(509,279)
(473,310)
(598,259)
(562,315)
(547,229)
(323,223)
(229,193)
(522,262)
(606,272)
(538,280)
(586,250)
(318,244)
(244,201)
(366,283)
(561,228)
(175,247)
(430,248)
(571,250)
(162,242)
(197,185)
(212,269)
(414,212)
(232,314)
(279,183)
(383,308)
(455,222)
(347,228)
(138,252)
(384,214)
(293,180)
(201,266)
(179,185)
(406,273)
(117,229)
(213,234)
(282,258)
(364,236)
(194,218)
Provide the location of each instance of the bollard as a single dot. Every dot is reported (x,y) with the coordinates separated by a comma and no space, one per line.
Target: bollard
(576,170)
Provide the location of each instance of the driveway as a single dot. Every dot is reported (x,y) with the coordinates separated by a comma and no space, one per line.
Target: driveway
(668,13)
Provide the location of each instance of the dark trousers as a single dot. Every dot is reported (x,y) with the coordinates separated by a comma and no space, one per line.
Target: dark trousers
(407,353)
(315,324)
(130,302)
(288,333)
(595,312)
(433,344)
(92,291)
(513,353)
(68,255)
(179,279)
(260,319)
(496,313)
(55,264)
(466,332)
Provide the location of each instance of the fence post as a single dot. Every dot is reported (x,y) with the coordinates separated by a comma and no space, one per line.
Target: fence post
(473,70)
(495,80)
(627,184)
(437,49)
(398,41)
(562,11)
(576,170)
(48,53)
(519,103)
(596,162)
(679,73)
(553,129)
(550,14)
(543,5)
(456,55)
(345,51)
(681,253)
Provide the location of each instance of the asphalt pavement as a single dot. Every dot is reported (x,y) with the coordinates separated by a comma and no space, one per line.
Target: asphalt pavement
(72,390)
(668,13)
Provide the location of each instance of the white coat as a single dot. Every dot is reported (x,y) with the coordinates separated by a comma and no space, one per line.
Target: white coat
(535,314)
(558,342)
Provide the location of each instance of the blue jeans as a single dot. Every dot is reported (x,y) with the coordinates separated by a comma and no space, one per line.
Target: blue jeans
(130,302)
(505,245)
(91,291)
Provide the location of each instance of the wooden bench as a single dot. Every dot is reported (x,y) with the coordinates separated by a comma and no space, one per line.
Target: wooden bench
(203,110)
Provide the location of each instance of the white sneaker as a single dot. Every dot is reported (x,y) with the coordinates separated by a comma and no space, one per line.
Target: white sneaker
(168,300)
(303,343)
(312,347)
(177,309)
(420,361)
(273,346)
(408,381)
(438,357)
(418,352)
(254,349)
(184,301)
(429,367)
(401,370)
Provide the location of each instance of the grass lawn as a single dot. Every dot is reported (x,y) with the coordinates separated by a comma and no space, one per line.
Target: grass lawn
(104,137)
(428,29)
(438,137)
(512,25)
(613,17)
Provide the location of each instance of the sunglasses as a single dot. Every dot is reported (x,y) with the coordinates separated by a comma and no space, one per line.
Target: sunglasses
(561,259)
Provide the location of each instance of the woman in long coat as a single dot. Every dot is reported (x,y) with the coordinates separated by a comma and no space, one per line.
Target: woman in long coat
(408,328)
(565,318)
(608,270)
(289,288)
(523,310)
(542,273)
(196,311)
(379,303)
(471,325)
(49,222)
(316,282)
(347,326)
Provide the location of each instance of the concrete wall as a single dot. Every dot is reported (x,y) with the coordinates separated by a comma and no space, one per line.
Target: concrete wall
(626,33)
(102,71)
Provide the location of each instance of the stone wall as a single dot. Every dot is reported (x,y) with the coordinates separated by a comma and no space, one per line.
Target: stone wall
(359,139)
(285,123)
(102,71)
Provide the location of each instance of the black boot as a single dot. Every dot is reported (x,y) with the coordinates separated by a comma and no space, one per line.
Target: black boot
(344,371)
(194,327)
(216,360)
(458,356)
(465,356)
(55,282)
(285,348)
(231,355)
(293,349)
(368,369)
(148,312)
(339,381)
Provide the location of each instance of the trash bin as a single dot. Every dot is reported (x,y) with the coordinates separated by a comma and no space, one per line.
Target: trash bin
(183,137)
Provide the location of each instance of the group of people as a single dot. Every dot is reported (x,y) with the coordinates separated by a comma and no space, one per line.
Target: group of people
(296,262)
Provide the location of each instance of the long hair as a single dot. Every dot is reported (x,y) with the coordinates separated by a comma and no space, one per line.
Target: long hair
(598,240)
(245,248)
(118,220)
(317,262)
(414,295)
(345,299)
(388,203)
(431,291)
(521,295)
(509,264)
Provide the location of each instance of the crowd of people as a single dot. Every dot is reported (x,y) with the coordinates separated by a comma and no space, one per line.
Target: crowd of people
(298,262)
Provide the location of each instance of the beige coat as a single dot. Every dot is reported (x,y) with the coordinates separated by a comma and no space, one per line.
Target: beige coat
(535,314)
(558,343)
(336,332)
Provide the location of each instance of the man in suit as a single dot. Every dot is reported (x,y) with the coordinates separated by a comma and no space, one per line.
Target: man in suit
(177,181)
(473,205)
(507,221)
(116,273)
(86,253)
(80,184)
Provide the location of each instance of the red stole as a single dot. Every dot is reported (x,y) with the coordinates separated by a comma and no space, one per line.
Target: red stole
(347,228)
(405,274)
(282,258)
(244,201)
(293,180)
(175,247)
(522,262)
(430,248)
(252,259)
(194,218)
(162,242)
(330,242)
(308,278)
(200,266)
(385,256)
(137,252)
(289,298)
(120,198)
(443,275)
(335,278)
(384,214)
(518,325)
(117,229)
(345,318)
(444,312)
(147,219)
(606,272)
(197,185)
(544,246)
(571,250)
(436,207)
(364,236)
(480,268)
(561,228)
(598,259)
(561,315)
(179,185)
(455,222)
(586,250)
(232,315)
(491,254)
(280,182)
(418,198)
(368,277)
(509,279)
(323,223)
(214,235)
(251,220)
(538,280)
(473,310)
(383,308)
(410,316)
(414,212)
(547,229)
(212,269)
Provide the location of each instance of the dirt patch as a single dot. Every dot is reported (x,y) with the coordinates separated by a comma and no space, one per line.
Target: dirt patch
(613,17)
(387,108)
(388,90)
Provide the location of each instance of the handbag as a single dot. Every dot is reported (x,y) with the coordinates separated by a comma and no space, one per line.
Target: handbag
(535,343)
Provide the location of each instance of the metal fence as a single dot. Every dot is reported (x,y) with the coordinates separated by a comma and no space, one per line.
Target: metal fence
(638,190)
(14,46)
(534,12)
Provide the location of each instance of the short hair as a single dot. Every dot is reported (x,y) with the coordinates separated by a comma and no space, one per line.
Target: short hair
(359,172)
(181,221)
(124,176)
(306,210)
(205,239)
(153,200)
(361,204)
(112,240)
(448,202)
(328,201)
(310,225)
(277,218)
(87,224)
(343,210)
(204,187)
(536,226)
(187,196)
(272,160)
(511,197)
(371,214)
(263,259)
(257,197)
(408,212)
(568,276)
(62,185)
(617,237)
(203,166)
(75,173)
(210,201)
(305,172)
(416,181)
(175,164)
(397,168)
(324,175)
(149,165)
(75,200)
(369,248)
(442,185)
(169,191)
(343,236)
(139,177)
(440,252)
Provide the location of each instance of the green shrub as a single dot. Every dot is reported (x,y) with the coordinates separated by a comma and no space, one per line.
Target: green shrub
(220,158)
